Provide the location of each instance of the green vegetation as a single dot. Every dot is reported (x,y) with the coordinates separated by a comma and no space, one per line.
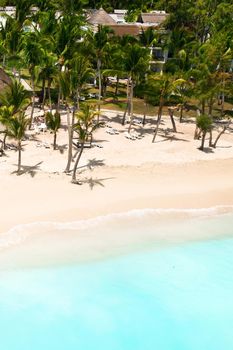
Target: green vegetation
(64,61)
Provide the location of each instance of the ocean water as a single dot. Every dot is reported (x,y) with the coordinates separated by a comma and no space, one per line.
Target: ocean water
(167,294)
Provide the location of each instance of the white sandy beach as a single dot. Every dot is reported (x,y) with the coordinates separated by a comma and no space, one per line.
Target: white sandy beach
(121,176)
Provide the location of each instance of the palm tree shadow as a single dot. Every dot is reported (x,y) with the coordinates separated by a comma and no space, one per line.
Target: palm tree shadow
(92,163)
(206,150)
(95,182)
(31,170)
(62,148)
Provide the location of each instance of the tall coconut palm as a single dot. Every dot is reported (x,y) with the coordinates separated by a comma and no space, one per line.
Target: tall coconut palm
(33,55)
(100,43)
(136,64)
(16,128)
(48,71)
(80,72)
(85,127)
(68,34)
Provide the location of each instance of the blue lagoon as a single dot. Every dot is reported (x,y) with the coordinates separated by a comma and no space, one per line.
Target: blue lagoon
(161,281)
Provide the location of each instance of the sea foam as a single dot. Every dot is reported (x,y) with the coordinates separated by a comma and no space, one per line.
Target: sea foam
(19,233)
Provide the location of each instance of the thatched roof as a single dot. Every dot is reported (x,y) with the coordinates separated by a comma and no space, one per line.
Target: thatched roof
(5,80)
(122,29)
(101,17)
(153,17)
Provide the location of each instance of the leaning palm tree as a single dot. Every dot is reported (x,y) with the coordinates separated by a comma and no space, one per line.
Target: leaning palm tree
(84,127)
(16,128)
(53,122)
(162,86)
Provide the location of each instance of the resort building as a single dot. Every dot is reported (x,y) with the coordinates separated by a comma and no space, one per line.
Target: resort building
(117,22)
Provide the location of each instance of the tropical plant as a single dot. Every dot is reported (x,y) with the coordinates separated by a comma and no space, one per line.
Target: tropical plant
(6,113)
(100,43)
(80,72)
(84,127)
(53,122)
(33,54)
(136,63)
(162,86)
(16,128)
(204,123)
(15,96)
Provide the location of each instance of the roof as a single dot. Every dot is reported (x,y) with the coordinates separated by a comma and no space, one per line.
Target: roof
(122,29)
(153,17)
(101,17)
(5,80)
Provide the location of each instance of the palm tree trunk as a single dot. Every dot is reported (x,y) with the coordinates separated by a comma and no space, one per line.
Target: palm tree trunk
(218,137)
(117,86)
(144,116)
(181,113)
(44,93)
(131,105)
(4,141)
(33,102)
(125,112)
(171,113)
(211,138)
(100,85)
(203,140)
(76,163)
(49,93)
(19,157)
(69,124)
(55,141)
(203,106)
(158,119)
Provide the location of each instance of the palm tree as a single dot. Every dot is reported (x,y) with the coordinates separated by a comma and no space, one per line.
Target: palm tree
(6,113)
(136,63)
(204,123)
(67,39)
(53,122)
(16,128)
(15,96)
(48,72)
(100,42)
(162,86)
(80,72)
(33,55)
(22,11)
(85,126)
(11,38)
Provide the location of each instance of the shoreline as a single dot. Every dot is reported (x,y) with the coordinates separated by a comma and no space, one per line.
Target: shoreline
(53,244)
(201,184)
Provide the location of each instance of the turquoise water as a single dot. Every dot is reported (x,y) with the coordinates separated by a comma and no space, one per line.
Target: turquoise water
(178,297)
